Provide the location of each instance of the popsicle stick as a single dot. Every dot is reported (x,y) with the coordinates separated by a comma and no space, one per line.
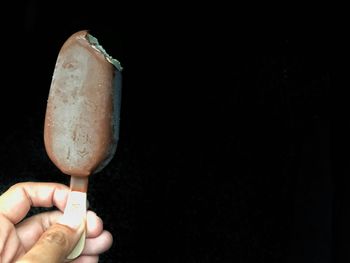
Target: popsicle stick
(76,205)
(79,184)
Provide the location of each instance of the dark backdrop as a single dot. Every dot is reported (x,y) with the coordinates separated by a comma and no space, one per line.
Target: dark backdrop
(224,151)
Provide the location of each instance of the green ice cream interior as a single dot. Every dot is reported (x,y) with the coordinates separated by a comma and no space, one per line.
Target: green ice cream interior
(94,43)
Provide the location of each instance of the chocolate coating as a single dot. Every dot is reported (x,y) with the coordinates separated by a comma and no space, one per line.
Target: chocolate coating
(82,115)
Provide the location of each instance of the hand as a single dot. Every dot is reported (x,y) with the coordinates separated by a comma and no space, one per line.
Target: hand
(40,238)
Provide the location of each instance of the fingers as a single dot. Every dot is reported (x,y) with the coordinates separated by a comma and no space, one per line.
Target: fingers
(94,225)
(98,245)
(32,228)
(24,195)
(98,241)
(57,242)
(10,246)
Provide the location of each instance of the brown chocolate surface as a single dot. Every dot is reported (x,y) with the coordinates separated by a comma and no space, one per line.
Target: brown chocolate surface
(81,119)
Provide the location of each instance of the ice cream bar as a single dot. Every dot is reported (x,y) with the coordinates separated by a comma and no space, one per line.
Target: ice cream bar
(82,115)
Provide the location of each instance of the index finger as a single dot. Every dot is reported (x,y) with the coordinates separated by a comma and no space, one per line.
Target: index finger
(15,203)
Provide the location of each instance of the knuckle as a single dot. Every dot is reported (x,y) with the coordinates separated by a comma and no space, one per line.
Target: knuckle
(5,231)
(16,186)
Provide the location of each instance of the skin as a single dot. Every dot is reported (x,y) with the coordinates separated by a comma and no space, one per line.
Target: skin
(40,238)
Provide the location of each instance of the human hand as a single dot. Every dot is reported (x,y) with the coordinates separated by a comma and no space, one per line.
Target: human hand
(41,238)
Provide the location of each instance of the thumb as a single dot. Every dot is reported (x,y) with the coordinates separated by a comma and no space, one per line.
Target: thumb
(56,243)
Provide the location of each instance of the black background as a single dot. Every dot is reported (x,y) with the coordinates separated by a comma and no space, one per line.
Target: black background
(224,151)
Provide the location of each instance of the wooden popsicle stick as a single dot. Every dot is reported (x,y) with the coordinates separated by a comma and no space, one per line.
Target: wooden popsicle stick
(76,206)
